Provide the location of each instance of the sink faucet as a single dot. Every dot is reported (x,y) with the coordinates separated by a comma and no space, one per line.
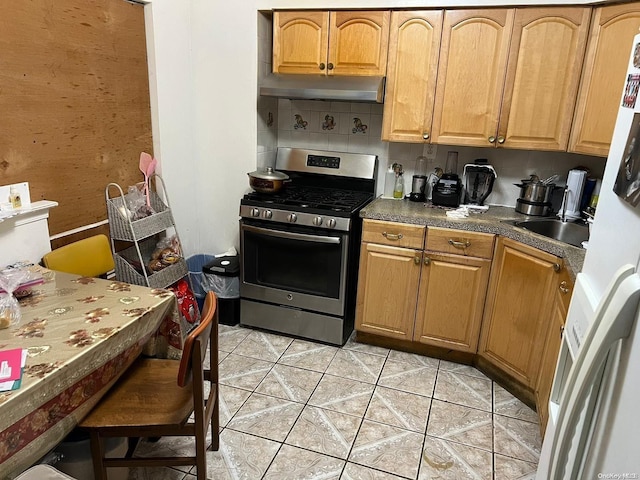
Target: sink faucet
(565,197)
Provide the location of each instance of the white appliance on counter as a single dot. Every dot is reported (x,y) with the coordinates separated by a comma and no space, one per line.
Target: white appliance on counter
(594,425)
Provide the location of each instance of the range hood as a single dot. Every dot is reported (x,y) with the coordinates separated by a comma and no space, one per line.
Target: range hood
(324,87)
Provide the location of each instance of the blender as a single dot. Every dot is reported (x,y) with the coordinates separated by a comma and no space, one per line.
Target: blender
(419,181)
(478,181)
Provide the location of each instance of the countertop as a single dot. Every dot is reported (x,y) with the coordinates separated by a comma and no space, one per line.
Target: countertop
(491,221)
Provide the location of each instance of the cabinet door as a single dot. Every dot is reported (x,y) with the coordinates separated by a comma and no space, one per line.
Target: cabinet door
(387,290)
(552,348)
(545,61)
(519,302)
(414,45)
(451,301)
(300,42)
(612,31)
(471,71)
(358,43)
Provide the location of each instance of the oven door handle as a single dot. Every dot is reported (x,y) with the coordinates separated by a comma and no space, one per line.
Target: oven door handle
(291,235)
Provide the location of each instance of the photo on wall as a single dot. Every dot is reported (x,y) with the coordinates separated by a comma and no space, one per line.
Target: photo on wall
(627,185)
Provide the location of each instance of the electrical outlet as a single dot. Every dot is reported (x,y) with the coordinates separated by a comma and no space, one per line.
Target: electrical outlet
(430,152)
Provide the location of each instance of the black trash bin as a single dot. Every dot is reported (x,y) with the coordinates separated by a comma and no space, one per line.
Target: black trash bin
(223,278)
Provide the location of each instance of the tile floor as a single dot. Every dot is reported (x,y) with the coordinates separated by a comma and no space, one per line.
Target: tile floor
(293,409)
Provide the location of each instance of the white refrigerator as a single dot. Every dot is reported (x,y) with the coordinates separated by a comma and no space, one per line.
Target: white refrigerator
(594,425)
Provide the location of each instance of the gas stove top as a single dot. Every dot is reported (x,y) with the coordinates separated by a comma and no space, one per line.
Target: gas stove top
(326,190)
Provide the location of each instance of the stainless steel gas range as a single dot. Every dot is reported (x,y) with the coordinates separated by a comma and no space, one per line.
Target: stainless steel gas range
(300,246)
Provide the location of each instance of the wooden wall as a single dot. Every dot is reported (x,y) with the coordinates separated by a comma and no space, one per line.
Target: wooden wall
(74,102)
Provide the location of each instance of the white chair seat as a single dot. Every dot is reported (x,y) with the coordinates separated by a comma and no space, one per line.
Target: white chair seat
(43,472)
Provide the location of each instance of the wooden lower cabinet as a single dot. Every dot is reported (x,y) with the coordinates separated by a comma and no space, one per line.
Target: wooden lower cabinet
(552,347)
(451,300)
(387,290)
(519,304)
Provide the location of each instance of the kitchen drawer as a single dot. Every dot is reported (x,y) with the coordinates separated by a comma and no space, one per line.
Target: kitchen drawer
(460,242)
(393,233)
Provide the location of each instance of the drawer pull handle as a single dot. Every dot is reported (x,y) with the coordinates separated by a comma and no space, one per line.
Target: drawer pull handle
(392,236)
(563,287)
(457,244)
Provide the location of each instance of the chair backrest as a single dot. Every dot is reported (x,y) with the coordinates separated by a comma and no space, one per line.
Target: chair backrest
(89,257)
(195,345)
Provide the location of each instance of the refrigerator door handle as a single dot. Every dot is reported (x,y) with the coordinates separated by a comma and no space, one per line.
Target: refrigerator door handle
(613,321)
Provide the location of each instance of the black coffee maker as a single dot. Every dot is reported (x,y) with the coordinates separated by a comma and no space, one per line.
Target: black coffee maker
(447,191)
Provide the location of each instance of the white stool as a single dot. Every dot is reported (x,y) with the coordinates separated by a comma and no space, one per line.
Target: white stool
(43,472)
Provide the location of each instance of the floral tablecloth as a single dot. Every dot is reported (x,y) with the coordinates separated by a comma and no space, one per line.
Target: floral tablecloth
(80,334)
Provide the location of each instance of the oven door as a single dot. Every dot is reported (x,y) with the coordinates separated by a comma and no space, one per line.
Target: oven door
(294,266)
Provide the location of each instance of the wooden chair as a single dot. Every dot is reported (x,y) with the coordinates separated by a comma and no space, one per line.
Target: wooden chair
(147,401)
(89,257)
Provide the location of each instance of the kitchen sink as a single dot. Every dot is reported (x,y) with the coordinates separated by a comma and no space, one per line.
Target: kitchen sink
(568,232)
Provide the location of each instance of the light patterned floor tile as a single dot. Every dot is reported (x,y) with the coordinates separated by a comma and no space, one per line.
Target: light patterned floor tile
(464,390)
(461,368)
(241,456)
(342,395)
(308,355)
(454,461)
(365,347)
(230,337)
(357,366)
(169,447)
(263,346)
(324,431)
(408,378)
(517,438)
(157,473)
(506,404)
(243,372)
(353,471)
(460,424)
(405,357)
(221,356)
(293,463)
(387,448)
(290,383)
(512,469)
(231,399)
(400,409)
(266,416)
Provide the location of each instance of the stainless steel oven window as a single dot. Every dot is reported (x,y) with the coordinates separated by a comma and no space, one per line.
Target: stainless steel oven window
(295,267)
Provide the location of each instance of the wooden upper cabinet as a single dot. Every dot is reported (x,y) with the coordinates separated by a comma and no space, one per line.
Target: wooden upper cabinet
(300,41)
(414,46)
(333,43)
(471,71)
(610,42)
(543,73)
(358,43)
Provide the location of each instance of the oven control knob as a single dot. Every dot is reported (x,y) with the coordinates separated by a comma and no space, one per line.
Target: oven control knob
(317,221)
(331,223)
(255,212)
(267,214)
(292,217)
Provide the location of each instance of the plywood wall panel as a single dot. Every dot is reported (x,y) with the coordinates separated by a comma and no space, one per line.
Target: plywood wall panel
(74,102)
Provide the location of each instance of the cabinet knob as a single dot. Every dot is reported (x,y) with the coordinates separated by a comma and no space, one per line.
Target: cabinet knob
(500,139)
(491,139)
(330,66)
(427,261)
(321,66)
(392,236)
(557,267)
(563,287)
(416,260)
(561,331)
(426,136)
